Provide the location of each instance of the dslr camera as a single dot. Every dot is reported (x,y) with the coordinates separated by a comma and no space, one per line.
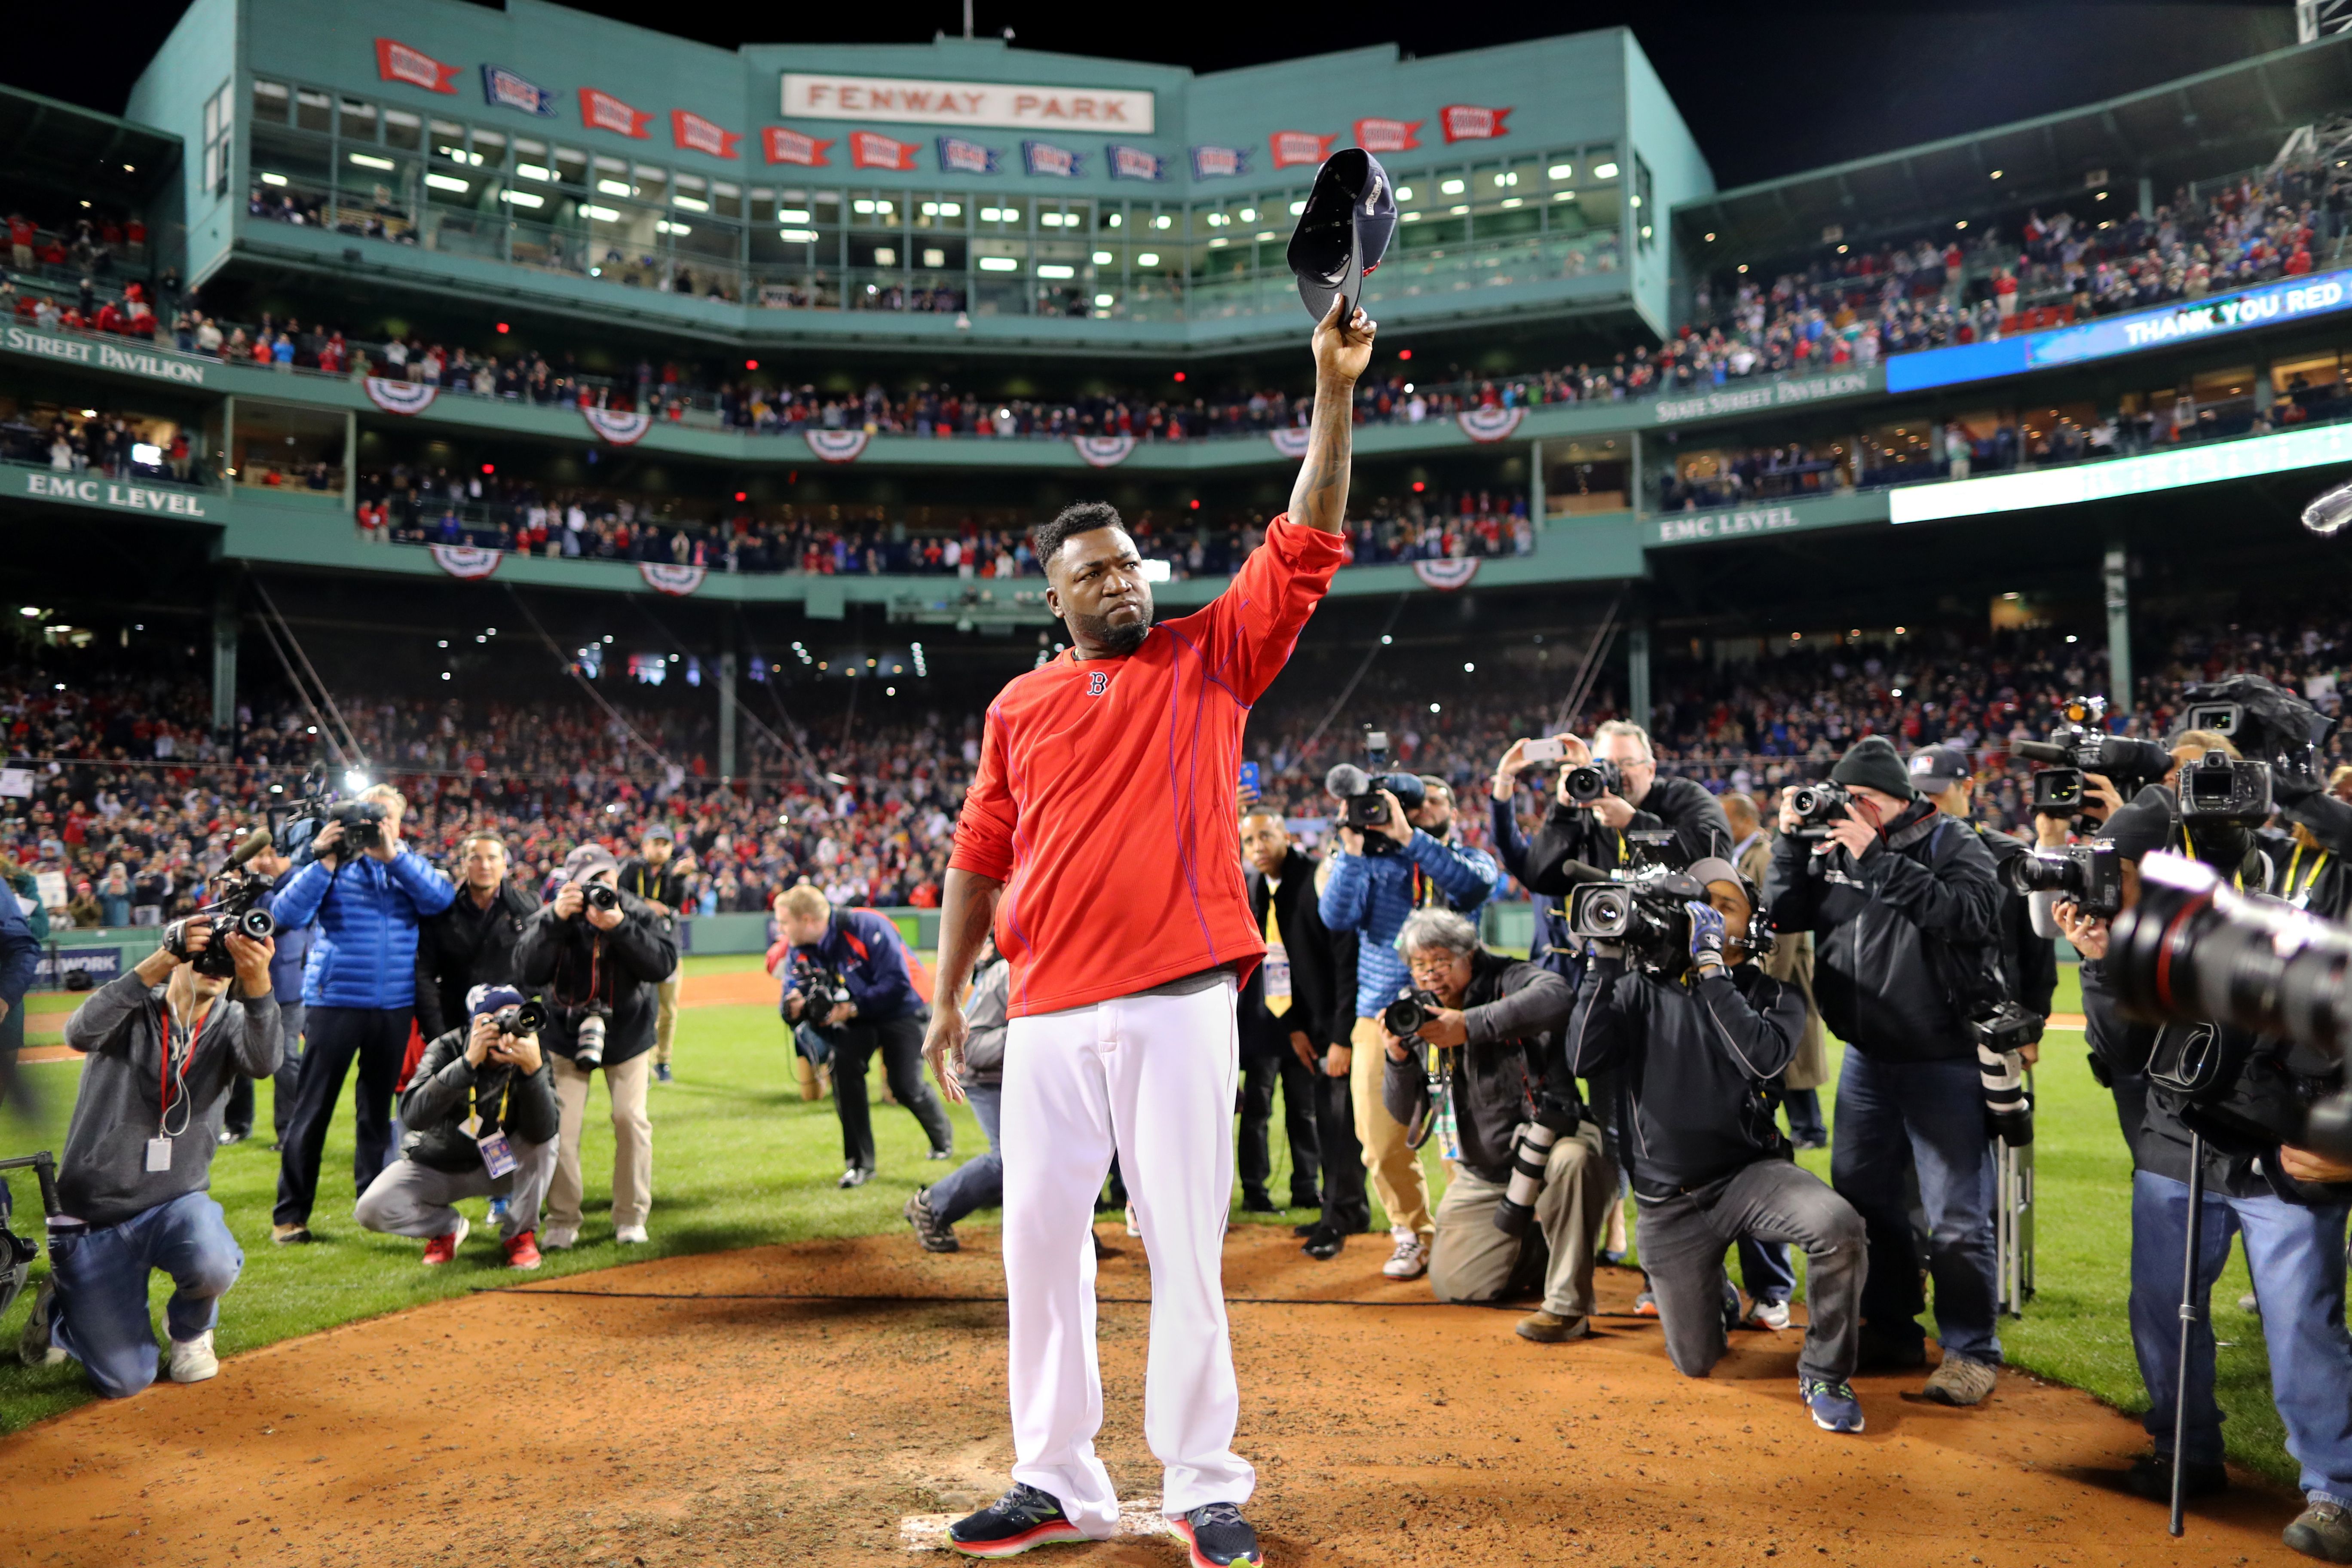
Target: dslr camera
(1589,783)
(589,1024)
(1819,806)
(823,992)
(1357,791)
(526,1018)
(234,896)
(1405,1016)
(600,896)
(2080,742)
(2225,789)
(2088,876)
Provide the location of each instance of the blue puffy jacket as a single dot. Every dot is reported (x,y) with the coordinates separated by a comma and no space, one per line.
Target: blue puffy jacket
(363,953)
(1372,894)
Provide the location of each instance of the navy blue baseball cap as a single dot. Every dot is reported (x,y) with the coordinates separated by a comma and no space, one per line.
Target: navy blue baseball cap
(1935,769)
(1350,217)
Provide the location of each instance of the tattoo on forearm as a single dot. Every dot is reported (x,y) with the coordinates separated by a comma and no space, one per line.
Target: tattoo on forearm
(1319,499)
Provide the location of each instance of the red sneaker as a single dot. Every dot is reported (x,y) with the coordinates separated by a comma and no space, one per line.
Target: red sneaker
(523,1250)
(442,1249)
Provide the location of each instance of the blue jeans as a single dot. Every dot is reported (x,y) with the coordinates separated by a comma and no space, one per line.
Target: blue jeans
(1931,1116)
(977,1184)
(101,1276)
(2296,1257)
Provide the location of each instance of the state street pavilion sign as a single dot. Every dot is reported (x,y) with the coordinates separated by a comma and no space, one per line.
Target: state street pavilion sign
(917,102)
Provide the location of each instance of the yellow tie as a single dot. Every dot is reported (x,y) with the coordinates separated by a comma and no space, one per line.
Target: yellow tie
(1277,1005)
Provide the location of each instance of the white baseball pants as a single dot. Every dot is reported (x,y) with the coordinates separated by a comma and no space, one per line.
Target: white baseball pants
(1153,1077)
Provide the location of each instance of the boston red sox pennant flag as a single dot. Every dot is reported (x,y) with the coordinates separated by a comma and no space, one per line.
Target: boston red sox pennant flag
(1298,147)
(1469,123)
(602,111)
(786,146)
(957,156)
(1134,162)
(1375,135)
(1218,163)
(872,150)
(396,62)
(696,134)
(503,89)
(1044,158)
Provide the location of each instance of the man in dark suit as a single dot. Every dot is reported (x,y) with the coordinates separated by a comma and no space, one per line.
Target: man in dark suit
(1284,1012)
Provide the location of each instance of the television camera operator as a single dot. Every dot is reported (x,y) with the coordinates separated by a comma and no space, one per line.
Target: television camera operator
(367,895)
(481,1121)
(472,942)
(658,874)
(851,983)
(1701,1036)
(286,984)
(2232,1108)
(1404,860)
(162,1044)
(1504,1112)
(595,955)
(1282,1013)
(1903,908)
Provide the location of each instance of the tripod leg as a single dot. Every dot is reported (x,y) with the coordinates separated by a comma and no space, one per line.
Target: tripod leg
(2187,1328)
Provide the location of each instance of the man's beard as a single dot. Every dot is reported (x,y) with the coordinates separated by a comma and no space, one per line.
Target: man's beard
(1120,639)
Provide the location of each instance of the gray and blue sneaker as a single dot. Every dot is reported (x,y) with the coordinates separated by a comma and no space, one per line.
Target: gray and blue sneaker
(1218,1535)
(1835,1407)
(1021,1519)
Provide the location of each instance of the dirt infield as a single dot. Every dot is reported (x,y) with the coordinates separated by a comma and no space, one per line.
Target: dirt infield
(607,1421)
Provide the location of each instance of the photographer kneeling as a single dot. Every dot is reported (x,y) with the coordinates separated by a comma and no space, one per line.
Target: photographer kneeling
(1494,1023)
(481,1121)
(850,983)
(1703,1036)
(596,957)
(134,1186)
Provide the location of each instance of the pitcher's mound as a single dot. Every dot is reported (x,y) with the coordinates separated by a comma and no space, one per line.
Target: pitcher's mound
(698,1410)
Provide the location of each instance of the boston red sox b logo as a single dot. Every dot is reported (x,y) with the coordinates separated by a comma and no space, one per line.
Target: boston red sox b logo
(1098,682)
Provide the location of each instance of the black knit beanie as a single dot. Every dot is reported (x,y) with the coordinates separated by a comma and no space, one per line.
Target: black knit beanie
(1874,762)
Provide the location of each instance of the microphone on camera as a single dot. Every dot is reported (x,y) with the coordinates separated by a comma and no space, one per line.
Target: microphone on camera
(255,843)
(1346,781)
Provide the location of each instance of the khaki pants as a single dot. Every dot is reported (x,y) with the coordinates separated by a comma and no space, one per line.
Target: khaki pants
(1472,1261)
(666,1018)
(1395,1168)
(633,1135)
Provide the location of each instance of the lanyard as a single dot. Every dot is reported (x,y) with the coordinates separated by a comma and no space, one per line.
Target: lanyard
(2238,877)
(163,1068)
(2296,892)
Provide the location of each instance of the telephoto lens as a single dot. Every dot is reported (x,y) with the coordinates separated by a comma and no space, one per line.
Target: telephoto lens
(1530,1153)
(588,1041)
(526,1019)
(2193,949)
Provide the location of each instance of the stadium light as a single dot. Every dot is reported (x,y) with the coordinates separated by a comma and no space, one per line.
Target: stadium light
(355,781)
(31,612)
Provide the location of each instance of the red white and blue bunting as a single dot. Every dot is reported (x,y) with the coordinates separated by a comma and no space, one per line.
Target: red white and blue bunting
(619,428)
(837,446)
(1490,424)
(1292,441)
(676,581)
(401,396)
(1103,451)
(467,559)
(1447,574)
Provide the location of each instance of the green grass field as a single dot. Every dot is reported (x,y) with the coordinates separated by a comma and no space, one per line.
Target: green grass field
(739,1161)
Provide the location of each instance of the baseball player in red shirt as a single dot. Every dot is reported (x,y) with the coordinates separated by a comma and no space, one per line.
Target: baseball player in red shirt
(1126,949)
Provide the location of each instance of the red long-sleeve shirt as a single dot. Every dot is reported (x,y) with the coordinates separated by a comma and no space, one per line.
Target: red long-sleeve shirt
(1105,796)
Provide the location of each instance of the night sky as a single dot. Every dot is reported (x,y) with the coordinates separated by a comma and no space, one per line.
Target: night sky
(1768,89)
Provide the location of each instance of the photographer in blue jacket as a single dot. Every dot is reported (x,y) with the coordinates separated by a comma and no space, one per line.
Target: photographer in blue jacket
(366,895)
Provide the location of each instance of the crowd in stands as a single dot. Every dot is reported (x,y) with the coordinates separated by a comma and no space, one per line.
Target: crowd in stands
(77,441)
(414,506)
(143,799)
(1849,305)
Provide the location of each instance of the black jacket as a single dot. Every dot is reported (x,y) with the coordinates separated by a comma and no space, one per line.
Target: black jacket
(2029,962)
(666,886)
(568,962)
(1879,979)
(1307,944)
(1702,1062)
(465,946)
(1571,846)
(446,1088)
(1514,1013)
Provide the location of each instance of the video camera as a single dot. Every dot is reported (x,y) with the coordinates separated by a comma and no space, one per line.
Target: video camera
(2088,876)
(2266,723)
(823,992)
(2080,742)
(234,892)
(2215,965)
(1357,789)
(362,820)
(1641,910)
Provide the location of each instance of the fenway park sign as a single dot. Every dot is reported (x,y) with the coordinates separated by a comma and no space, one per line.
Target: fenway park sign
(907,100)
(101,353)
